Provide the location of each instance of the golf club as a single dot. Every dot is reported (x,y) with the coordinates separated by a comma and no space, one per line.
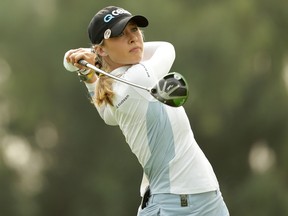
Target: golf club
(171,90)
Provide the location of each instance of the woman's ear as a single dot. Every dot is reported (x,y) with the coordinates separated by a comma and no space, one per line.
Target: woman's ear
(101,51)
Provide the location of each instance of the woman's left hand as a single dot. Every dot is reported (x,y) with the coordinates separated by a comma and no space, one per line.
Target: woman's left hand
(74,55)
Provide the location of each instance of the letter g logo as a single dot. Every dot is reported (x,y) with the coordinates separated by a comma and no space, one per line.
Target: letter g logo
(108,18)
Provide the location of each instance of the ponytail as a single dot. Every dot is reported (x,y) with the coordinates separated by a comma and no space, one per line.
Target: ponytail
(103,91)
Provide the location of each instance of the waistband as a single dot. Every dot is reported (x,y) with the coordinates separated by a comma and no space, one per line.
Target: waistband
(182,200)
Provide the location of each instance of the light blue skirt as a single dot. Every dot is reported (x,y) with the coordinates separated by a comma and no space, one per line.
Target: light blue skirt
(203,204)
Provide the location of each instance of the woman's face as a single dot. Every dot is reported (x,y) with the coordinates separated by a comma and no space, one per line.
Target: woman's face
(125,49)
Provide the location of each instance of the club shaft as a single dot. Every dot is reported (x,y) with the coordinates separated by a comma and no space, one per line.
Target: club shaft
(88,65)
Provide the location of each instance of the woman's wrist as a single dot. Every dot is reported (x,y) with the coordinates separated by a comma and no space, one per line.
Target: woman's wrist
(88,77)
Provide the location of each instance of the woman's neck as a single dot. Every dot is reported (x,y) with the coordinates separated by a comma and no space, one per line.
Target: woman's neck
(110,65)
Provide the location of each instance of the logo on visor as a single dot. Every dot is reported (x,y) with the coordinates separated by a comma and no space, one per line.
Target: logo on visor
(114,14)
(107,33)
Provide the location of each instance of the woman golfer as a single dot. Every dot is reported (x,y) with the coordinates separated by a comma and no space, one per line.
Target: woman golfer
(178,179)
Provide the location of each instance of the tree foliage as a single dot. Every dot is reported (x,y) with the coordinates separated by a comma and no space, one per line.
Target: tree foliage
(57,157)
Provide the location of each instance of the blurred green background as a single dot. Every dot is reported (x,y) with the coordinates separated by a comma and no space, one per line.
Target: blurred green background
(58,158)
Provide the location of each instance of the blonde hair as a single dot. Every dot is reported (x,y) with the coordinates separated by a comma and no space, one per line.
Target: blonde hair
(103,91)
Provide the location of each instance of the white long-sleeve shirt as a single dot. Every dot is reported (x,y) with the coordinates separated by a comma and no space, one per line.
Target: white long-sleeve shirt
(160,136)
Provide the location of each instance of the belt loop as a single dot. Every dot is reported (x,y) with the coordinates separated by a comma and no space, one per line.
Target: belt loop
(184,200)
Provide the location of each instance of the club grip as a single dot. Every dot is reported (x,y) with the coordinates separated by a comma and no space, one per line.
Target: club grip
(83,62)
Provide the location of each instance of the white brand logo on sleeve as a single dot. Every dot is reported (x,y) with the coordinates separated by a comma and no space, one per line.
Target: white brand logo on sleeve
(115,13)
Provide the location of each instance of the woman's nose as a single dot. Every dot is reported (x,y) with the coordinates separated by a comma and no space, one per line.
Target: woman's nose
(133,38)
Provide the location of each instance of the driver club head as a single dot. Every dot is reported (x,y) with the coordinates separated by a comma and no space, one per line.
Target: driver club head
(172,90)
